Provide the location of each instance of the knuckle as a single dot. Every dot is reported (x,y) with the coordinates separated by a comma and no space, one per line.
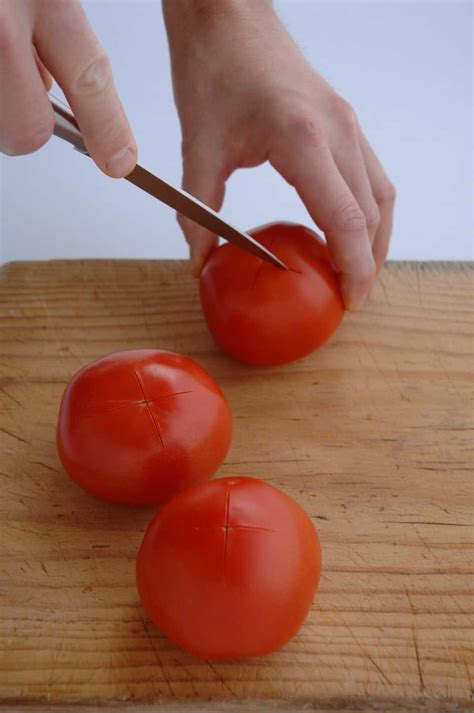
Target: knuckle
(291,114)
(387,194)
(348,217)
(94,77)
(294,116)
(346,116)
(25,142)
(304,128)
(372,217)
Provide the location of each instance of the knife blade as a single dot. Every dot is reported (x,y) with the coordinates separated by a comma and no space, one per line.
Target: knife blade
(65,127)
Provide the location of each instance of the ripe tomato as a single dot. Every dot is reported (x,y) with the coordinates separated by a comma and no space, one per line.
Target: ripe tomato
(136,427)
(229,568)
(262,314)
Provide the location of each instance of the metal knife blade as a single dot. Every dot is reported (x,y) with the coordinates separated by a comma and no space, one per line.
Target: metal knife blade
(65,127)
(192,208)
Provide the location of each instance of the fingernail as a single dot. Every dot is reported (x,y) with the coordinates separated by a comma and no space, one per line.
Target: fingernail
(122,163)
(353,295)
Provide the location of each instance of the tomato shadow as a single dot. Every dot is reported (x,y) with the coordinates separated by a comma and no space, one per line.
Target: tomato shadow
(70,528)
(92,547)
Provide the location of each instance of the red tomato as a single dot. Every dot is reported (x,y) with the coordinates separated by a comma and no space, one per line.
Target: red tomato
(138,426)
(263,315)
(228,569)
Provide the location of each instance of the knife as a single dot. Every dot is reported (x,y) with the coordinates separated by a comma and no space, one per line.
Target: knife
(66,127)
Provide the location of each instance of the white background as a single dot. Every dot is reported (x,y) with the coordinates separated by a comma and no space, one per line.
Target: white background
(405,66)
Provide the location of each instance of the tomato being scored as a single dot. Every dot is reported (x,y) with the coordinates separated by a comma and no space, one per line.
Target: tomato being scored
(264,315)
(136,427)
(229,568)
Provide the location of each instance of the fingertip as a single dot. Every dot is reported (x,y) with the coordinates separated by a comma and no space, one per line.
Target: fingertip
(198,257)
(196,267)
(380,254)
(201,243)
(356,279)
(122,162)
(354,292)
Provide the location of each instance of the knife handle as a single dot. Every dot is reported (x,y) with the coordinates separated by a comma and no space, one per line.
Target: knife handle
(65,125)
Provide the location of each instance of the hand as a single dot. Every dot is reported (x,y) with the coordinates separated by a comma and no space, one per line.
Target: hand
(40,38)
(245,95)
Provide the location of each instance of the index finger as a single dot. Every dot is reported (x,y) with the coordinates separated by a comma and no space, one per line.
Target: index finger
(82,69)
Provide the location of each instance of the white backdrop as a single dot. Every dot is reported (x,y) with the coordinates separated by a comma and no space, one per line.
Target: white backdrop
(405,66)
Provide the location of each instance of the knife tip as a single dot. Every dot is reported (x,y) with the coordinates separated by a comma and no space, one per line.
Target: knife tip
(279,263)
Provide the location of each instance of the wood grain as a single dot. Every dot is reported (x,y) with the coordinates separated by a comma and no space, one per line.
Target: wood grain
(372,435)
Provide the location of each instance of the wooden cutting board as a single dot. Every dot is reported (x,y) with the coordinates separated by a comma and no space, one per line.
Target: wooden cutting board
(372,435)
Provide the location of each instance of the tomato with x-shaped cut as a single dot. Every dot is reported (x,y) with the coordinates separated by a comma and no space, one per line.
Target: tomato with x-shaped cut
(136,427)
(229,568)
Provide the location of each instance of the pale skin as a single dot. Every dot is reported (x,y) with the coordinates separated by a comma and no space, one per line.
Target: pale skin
(245,95)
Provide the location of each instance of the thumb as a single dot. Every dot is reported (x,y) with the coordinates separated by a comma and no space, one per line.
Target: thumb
(205,180)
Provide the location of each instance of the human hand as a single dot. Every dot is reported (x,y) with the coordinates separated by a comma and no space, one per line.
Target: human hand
(40,38)
(245,94)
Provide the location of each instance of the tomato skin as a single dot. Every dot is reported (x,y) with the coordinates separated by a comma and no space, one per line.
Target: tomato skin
(136,427)
(263,315)
(229,593)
